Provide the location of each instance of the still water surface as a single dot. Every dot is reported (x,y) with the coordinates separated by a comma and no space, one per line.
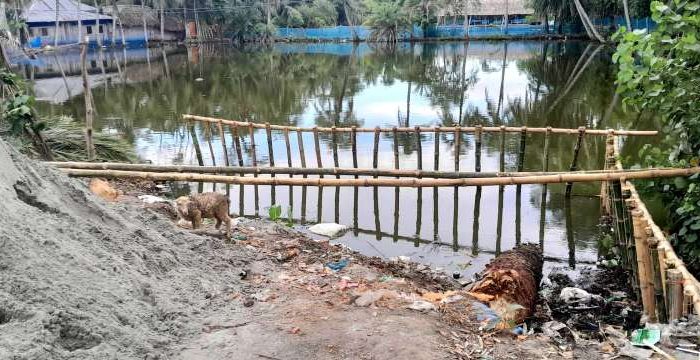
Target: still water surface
(141,95)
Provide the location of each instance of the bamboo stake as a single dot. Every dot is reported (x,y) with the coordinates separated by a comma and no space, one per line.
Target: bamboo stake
(419,197)
(254,156)
(646,284)
(519,189)
(334,138)
(577,148)
(237,144)
(477,149)
(353,140)
(317,145)
(375,156)
(396,149)
(195,144)
(419,150)
(414,182)
(652,243)
(466,129)
(302,153)
(436,155)
(288,146)
(502,150)
(271,155)
(223,142)
(458,144)
(211,147)
(674,294)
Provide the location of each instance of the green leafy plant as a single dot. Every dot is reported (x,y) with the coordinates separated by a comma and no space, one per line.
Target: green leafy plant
(274,212)
(659,72)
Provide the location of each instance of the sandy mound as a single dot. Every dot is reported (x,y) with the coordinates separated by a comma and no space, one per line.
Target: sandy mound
(84,280)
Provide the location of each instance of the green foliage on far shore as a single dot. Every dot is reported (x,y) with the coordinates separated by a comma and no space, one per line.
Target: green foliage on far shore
(659,72)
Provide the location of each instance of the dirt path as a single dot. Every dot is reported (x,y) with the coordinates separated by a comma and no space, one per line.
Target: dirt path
(85,279)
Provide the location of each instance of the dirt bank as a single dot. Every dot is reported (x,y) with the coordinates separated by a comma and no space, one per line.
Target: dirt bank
(87,279)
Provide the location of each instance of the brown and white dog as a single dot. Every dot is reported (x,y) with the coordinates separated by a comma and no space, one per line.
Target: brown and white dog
(205,205)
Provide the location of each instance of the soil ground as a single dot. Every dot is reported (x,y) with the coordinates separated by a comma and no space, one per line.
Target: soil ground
(83,278)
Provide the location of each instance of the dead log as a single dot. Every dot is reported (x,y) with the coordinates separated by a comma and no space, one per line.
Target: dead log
(511,278)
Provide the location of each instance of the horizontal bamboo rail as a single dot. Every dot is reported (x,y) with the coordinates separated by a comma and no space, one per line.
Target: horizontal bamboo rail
(667,256)
(468,129)
(366,182)
(233,170)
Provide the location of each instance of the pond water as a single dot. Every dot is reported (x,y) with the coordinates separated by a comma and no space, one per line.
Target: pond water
(141,94)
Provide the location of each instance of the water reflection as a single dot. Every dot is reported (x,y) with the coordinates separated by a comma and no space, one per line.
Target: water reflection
(537,84)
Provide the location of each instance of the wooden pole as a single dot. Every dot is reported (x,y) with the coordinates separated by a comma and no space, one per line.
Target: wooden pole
(353,141)
(195,144)
(646,283)
(652,243)
(396,149)
(334,140)
(574,162)
(223,142)
(675,294)
(317,145)
(211,147)
(518,188)
(477,149)
(271,160)
(375,151)
(288,146)
(254,158)
(302,153)
(237,144)
(464,129)
(458,145)
(89,112)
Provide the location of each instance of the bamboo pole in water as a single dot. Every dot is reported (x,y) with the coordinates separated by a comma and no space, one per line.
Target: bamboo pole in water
(389,182)
(466,129)
(477,149)
(254,158)
(574,161)
(271,161)
(353,141)
(211,147)
(237,144)
(195,144)
(458,145)
(375,151)
(89,111)
(302,153)
(317,145)
(334,140)
(223,142)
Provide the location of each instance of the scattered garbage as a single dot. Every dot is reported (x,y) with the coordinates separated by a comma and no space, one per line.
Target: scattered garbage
(248,301)
(572,295)
(151,199)
(331,230)
(346,284)
(649,338)
(421,305)
(243,274)
(558,332)
(338,265)
(456,275)
(240,237)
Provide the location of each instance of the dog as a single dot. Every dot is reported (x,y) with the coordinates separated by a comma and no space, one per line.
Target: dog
(205,205)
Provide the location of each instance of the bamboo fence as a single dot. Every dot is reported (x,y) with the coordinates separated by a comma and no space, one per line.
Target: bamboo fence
(666,288)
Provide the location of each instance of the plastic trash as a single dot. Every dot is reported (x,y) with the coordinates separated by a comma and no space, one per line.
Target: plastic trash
(572,295)
(338,265)
(150,199)
(328,229)
(648,338)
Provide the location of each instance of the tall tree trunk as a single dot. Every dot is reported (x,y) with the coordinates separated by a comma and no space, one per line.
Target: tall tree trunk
(115,14)
(162,20)
(586,20)
(97,24)
(55,31)
(80,24)
(625,5)
(145,26)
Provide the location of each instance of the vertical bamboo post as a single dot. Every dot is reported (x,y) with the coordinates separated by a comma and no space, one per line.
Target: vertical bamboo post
(223,141)
(89,112)
(419,166)
(652,244)
(288,147)
(501,188)
(396,189)
(271,159)
(646,284)
(254,158)
(375,151)
(334,139)
(477,148)
(239,156)
(629,241)
(195,143)
(675,294)
(377,223)
(317,146)
(302,158)
(436,167)
(574,161)
(502,150)
(353,141)
(687,302)
(543,199)
(458,145)
(519,188)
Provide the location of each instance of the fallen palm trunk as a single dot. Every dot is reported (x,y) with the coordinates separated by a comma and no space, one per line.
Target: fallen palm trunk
(369,182)
(510,282)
